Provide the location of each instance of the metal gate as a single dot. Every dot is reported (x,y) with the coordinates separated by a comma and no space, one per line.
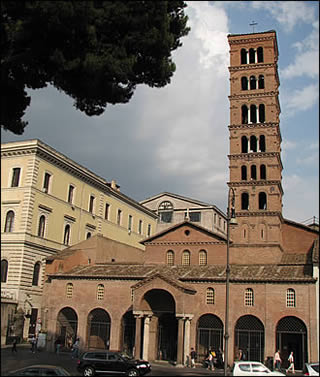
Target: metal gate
(249,337)
(98,329)
(291,335)
(209,334)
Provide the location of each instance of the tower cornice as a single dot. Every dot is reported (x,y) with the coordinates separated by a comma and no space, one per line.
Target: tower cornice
(258,183)
(255,155)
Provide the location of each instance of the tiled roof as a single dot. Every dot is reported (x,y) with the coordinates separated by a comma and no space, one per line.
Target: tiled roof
(272,273)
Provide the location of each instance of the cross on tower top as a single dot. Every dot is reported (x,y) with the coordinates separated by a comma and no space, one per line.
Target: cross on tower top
(253,24)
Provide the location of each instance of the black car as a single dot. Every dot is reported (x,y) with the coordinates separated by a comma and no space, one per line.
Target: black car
(111,362)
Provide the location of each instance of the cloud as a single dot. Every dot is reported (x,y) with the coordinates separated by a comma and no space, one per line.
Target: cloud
(301,198)
(287,13)
(300,99)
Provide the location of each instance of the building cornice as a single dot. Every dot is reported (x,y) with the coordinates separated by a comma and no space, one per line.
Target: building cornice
(49,154)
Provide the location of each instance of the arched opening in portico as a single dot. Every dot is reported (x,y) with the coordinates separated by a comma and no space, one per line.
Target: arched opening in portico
(163,326)
(98,328)
(67,326)
(291,335)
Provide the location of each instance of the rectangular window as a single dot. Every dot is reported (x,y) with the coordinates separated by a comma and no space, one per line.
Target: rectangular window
(149,230)
(130,223)
(15,177)
(140,226)
(195,217)
(70,194)
(119,217)
(91,203)
(215,218)
(106,213)
(46,182)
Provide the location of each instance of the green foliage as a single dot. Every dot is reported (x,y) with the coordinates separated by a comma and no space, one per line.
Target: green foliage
(97,52)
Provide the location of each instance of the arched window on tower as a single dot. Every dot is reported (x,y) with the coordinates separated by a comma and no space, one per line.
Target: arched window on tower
(262,143)
(243,173)
(262,200)
(4,270)
(245,201)
(253,82)
(244,56)
(253,172)
(252,56)
(260,54)
(262,115)
(253,143)
(253,114)
(244,144)
(8,227)
(263,172)
(42,225)
(66,236)
(261,82)
(244,114)
(36,272)
(244,83)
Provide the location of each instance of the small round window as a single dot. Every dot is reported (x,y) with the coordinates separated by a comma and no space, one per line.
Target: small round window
(187,232)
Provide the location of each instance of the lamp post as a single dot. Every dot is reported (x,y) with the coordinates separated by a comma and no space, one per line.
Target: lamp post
(231,219)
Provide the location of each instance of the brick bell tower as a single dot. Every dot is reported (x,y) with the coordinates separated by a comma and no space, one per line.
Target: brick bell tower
(255,144)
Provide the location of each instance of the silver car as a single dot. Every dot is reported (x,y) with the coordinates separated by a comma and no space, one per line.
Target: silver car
(311,369)
(252,368)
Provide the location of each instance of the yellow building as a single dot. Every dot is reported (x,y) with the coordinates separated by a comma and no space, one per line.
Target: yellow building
(49,202)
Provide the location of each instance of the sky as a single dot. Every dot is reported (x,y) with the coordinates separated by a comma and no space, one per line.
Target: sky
(176,138)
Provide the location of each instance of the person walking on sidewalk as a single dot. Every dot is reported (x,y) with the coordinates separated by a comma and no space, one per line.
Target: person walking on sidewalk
(193,355)
(75,348)
(291,363)
(277,360)
(33,344)
(14,345)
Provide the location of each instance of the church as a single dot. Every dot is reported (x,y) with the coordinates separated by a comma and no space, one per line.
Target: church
(158,301)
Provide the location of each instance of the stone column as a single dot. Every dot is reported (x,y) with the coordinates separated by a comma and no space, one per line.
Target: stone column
(180,341)
(186,351)
(145,351)
(137,344)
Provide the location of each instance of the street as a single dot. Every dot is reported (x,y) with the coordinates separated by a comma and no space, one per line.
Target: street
(24,357)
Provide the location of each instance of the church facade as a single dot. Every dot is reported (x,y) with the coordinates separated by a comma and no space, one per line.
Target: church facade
(159,302)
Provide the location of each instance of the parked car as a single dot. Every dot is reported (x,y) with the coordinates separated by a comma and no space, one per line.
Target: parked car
(252,368)
(311,369)
(111,362)
(40,370)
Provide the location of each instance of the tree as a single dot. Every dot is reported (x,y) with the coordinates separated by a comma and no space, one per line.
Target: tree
(97,52)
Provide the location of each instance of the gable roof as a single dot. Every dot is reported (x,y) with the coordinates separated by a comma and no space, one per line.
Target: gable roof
(183,198)
(171,281)
(174,227)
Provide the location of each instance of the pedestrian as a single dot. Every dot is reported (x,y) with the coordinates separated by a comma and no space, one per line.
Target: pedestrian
(210,360)
(193,356)
(277,360)
(33,344)
(14,345)
(58,345)
(75,348)
(291,363)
